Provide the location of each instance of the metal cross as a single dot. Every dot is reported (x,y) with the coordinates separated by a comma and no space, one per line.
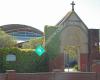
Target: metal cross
(72,5)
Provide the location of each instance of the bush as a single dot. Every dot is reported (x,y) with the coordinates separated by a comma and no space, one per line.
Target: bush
(52,47)
(26,61)
(76,67)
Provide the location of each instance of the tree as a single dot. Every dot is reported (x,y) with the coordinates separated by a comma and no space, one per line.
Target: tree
(32,43)
(6,41)
(72,51)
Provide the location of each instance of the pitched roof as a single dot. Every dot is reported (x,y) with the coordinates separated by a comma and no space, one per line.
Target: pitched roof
(66,17)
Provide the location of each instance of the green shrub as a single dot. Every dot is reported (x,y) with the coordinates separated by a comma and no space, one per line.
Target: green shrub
(26,61)
(76,67)
(52,48)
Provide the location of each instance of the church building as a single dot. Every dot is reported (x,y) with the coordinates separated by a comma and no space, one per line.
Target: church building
(75,35)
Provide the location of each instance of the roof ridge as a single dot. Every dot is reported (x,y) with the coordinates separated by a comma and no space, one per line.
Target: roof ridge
(64,18)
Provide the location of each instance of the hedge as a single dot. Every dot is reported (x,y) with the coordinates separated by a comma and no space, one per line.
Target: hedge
(27,61)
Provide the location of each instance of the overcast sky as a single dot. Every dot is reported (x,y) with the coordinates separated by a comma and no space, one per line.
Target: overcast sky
(38,13)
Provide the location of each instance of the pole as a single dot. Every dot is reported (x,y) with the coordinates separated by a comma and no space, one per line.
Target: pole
(68,61)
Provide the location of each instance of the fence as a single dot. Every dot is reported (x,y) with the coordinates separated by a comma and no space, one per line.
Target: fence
(12,75)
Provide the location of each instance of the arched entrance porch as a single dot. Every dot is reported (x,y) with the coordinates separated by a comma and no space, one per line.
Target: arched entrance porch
(74,43)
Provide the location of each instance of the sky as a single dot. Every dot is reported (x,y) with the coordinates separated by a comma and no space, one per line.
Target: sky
(38,13)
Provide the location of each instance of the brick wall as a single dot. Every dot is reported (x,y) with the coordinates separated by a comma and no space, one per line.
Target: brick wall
(96,66)
(10,75)
(57,76)
(57,63)
(75,76)
(93,46)
(83,62)
(2,76)
(98,76)
(34,76)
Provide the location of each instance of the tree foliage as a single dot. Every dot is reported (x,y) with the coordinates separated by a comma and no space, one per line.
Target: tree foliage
(32,43)
(6,41)
(72,51)
(53,47)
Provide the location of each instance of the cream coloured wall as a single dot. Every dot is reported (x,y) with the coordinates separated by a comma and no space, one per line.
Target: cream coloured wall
(74,33)
(74,36)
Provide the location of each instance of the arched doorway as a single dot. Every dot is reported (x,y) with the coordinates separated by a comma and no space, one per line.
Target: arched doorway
(71,58)
(74,42)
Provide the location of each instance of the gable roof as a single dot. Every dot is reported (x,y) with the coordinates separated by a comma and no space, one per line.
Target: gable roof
(64,18)
(67,16)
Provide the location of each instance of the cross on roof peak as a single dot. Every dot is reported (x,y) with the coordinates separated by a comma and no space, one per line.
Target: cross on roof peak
(72,5)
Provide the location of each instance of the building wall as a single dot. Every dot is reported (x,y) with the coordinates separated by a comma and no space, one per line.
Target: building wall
(74,36)
(93,47)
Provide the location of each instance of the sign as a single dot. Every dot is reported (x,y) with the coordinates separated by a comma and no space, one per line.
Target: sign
(11,57)
(39,50)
